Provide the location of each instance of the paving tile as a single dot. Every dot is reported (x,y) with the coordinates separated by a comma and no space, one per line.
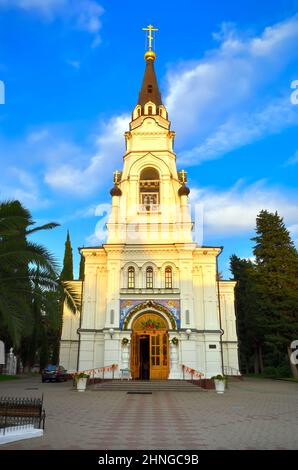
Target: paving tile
(252,414)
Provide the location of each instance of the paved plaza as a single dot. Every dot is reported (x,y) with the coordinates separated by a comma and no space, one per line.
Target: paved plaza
(252,414)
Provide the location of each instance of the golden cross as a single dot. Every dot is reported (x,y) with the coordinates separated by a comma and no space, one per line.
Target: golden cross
(117,177)
(150,28)
(183,174)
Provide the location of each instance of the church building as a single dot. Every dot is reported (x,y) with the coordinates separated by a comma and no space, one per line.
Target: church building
(152,301)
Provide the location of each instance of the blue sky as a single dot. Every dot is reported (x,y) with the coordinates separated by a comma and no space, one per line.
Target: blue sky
(72,71)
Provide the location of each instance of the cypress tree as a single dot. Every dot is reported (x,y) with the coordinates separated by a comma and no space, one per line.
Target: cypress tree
(276,285)
(66,275)
(248,321)
(67,271)
(82,268)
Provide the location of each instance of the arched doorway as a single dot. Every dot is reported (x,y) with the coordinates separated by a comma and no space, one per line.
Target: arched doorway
(149,354)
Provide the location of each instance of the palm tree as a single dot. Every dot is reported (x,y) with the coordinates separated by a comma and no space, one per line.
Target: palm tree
(23,266)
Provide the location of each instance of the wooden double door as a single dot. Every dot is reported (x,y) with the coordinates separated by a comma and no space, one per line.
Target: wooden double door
(149,353)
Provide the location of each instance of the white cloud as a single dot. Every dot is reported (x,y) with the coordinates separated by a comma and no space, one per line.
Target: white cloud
(50,154)
(252,259)
(22,185)
(233,212)
(210,103)
(74,63)
(83,180)
(241,130)
(88,13)
(293,160)
(24,161)
(84,15)
(293,229)
(37,136)
(45,7)
(223,99)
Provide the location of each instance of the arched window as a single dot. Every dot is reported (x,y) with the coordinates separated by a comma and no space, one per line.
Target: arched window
(150,110)
(168,278)
(139,112)
(149,88)
(131,277)
(149,190)
(149,278)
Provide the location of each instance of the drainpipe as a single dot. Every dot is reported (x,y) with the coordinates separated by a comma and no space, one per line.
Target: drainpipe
(237,331)
(78,331)
(219,310)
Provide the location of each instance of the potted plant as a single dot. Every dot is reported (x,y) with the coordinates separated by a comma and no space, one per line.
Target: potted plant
(81,380)
(220,383)
(125,341)
(175,341)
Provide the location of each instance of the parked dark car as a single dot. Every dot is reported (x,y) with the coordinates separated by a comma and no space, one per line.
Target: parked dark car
(54,373)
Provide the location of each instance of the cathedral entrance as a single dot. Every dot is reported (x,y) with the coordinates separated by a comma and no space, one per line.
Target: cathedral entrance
(149,354)
(145,357)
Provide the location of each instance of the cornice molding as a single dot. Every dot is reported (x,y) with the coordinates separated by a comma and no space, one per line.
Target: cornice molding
(146,152)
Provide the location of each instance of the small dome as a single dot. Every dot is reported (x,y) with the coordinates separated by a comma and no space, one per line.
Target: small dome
(116,191)
(150,55)
(183,190)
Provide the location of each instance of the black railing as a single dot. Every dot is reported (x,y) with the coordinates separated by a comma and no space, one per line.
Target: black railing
(20,412)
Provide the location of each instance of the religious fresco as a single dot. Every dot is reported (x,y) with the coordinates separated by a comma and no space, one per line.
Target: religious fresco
(130,306)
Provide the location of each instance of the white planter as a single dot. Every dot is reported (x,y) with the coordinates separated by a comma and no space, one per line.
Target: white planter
(220,386)
(81,384)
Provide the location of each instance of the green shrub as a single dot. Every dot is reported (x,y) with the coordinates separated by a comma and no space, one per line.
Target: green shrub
(81,375)
(270,372)
(218,377)
(4,377)
(284,371)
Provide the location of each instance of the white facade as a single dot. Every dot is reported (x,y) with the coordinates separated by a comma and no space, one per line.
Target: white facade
(151,264)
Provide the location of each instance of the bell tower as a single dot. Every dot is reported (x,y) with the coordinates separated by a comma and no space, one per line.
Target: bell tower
(149,197)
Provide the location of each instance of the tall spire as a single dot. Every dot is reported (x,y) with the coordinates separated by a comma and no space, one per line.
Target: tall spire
(149,90)
(67,271)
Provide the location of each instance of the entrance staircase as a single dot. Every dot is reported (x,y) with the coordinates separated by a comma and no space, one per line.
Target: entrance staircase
(146,386)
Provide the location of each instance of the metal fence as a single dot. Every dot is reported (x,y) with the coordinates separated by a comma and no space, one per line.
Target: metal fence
(17,413)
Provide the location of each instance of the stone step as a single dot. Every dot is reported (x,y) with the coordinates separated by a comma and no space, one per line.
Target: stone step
(235,378)
(139,386)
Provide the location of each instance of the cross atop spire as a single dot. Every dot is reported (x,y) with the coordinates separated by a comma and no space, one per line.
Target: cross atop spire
(150,28)
(149,90)
(150,54)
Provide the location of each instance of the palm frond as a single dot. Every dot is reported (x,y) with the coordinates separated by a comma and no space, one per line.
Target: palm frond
(48,226)
(32,253)
(13,312)
(71,297)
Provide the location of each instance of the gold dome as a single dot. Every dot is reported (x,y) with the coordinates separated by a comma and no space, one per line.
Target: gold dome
(150,55)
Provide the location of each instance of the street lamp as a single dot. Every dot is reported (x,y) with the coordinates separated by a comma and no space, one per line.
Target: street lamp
(188,332)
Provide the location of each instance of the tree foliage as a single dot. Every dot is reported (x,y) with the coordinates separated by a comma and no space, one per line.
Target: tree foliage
(67,271)
(82,268)
(267,295)
(29,283)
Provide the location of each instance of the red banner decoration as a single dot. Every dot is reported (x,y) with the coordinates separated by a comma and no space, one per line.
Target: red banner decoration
(193,372)
(97,370)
